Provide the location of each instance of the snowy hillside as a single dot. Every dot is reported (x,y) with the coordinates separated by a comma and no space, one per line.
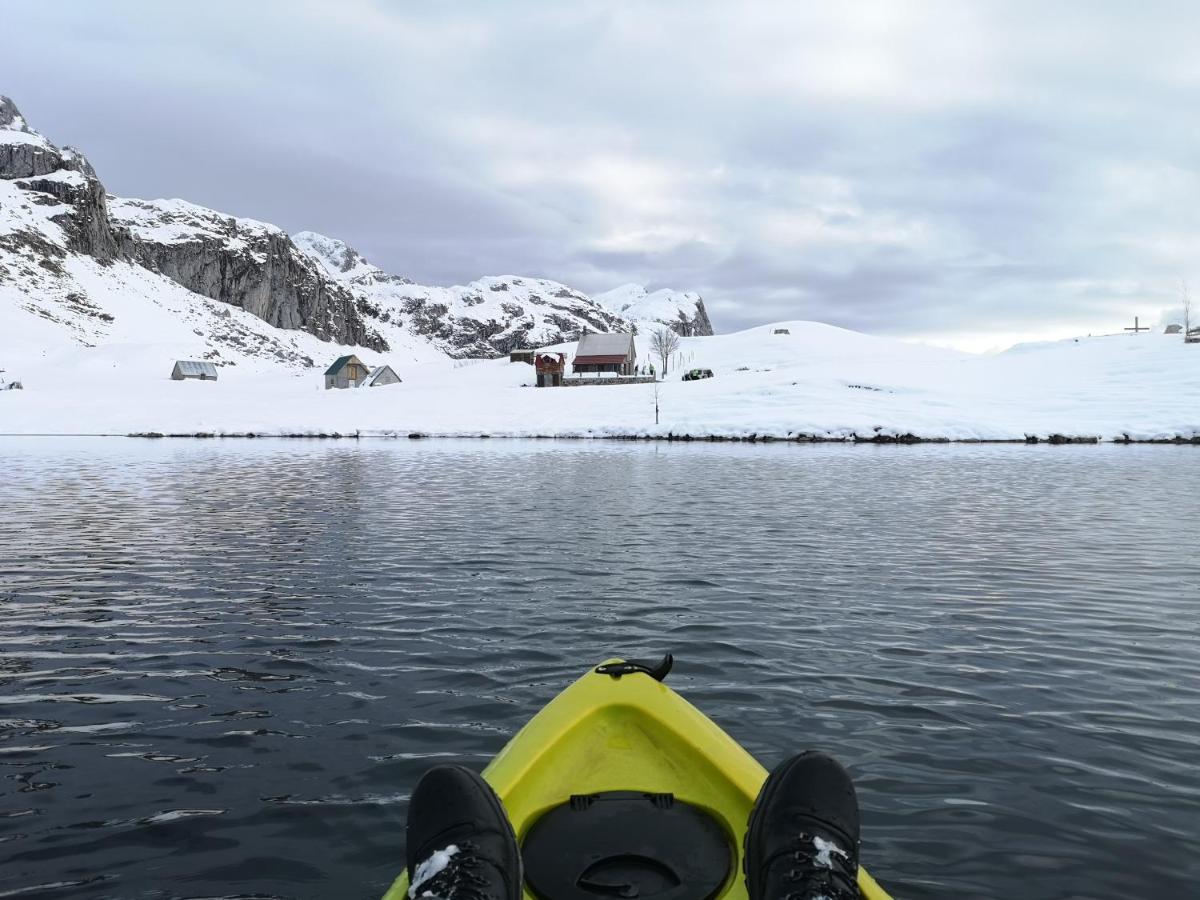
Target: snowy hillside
(75,313)
(818,382)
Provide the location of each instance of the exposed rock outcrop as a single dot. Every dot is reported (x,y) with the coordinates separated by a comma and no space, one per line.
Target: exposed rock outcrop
(23,152)
(64,175)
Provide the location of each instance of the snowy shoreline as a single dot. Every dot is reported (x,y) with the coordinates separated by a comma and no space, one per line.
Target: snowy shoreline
(815,384)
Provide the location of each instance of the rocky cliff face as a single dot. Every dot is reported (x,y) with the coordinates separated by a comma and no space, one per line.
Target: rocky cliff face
(64,175)
(242,262)
(23,152)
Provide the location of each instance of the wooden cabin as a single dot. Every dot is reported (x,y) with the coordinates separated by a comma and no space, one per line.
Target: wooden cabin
(525,356)
(191,368)
(606,353)
(346,372)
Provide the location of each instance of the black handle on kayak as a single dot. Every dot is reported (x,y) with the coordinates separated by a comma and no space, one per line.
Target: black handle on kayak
(625,890)
(656,670)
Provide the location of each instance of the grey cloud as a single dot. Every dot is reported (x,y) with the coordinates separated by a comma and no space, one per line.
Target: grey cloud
(933,169)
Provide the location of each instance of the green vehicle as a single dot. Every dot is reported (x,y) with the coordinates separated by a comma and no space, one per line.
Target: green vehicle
(697,374)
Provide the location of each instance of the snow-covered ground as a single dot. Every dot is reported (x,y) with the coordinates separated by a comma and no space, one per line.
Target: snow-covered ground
(818,381)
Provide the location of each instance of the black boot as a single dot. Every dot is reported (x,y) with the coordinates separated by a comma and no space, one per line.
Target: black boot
(802,840)
(461,845)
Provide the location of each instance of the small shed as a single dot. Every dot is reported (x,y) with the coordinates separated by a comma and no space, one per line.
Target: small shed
(780,331)
(1174,329)
(525,356)
(550,368)
(606,353)
(381,375)
(346,372)
(191,368)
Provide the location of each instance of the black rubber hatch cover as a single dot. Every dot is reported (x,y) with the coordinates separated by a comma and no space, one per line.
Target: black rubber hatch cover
(626,844)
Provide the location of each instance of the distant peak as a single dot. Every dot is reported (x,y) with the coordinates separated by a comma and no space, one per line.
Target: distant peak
(335,255)
(339,259)
(682,310)
(345,256)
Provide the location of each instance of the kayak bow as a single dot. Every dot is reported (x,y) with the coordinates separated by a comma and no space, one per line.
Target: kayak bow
(620,729)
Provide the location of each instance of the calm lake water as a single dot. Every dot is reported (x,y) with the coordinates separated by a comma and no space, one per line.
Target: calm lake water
(223,664)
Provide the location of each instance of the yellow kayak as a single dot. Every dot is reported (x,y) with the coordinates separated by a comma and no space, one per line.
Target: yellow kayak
(616,755)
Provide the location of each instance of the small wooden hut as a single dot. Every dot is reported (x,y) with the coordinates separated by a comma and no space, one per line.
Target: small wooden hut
(346,372)
(550,368)
(191,368)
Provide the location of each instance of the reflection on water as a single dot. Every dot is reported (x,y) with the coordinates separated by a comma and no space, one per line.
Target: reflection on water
(223,664)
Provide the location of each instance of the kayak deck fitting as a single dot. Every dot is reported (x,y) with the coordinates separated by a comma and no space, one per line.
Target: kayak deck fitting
(620,788)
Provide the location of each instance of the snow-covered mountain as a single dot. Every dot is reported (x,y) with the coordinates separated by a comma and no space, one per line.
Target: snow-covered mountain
(498,313)
(79,267)
(484,318)
(683,311)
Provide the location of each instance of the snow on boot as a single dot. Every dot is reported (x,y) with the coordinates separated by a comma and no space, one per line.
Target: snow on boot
(461,845)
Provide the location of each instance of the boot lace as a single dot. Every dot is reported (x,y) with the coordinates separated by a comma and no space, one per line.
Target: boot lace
(461,879)
(822,871)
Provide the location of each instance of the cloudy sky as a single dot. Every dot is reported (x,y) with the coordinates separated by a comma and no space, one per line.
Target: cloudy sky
(967,173)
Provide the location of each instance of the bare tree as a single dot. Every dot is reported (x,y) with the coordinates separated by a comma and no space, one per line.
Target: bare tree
(663,343)
(1186,297)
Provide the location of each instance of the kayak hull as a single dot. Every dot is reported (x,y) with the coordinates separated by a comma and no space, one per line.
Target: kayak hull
(629,734)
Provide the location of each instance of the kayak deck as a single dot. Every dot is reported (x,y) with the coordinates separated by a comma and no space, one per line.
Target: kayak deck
(629,734)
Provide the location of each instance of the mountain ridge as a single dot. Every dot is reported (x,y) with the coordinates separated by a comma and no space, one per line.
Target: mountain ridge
(531,312)
(54,210)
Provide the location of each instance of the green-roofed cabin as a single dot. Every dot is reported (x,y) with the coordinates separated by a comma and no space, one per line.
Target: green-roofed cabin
(346,372)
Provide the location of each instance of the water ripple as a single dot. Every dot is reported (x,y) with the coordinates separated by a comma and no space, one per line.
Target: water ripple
(223,666)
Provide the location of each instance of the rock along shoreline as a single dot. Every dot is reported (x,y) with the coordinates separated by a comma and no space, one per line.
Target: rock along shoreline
(905,439)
